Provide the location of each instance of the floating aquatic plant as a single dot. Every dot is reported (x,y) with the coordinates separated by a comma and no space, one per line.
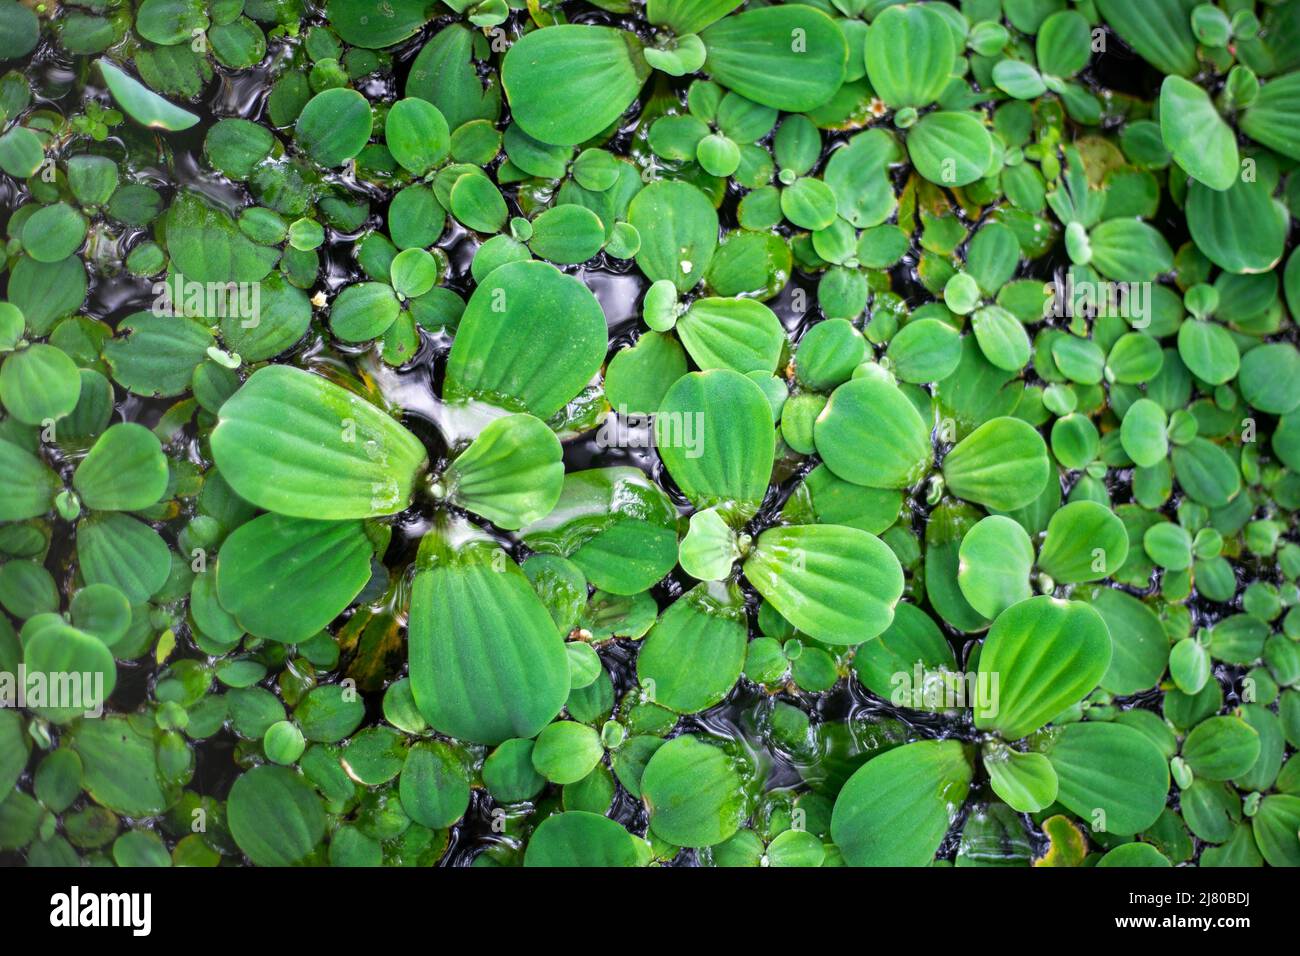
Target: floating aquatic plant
(620,433)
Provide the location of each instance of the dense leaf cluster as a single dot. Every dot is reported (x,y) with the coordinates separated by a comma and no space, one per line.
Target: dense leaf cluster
(799,434)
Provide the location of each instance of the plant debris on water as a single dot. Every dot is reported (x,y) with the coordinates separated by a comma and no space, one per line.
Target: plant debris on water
(488,432)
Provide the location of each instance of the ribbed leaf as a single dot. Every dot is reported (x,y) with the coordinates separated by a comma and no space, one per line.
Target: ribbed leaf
(695,652)
(714,433)
(566,83)
(487,663)
(740,334)
(531,337)
(29,486)
(836,584)
(1109,774)
(613,523)
(117,549)
(580,838)
(871,434)
(789,57)
(896,808)
(1040,657)
(910,53)
(125,470)
(511,474)
(1003,464)
(285,579)
(296,444)
(1160,31)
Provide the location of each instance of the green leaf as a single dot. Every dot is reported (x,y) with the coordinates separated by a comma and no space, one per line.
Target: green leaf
(445,74)
(156,355)
(1276,826)
(416,134)
(364,310)
(1003,464)
(21,152)
(118,550)
(206,246)
(29,486)
(567,83)
(1018,79)
(679,232)
(1002,338)
(1206,472)
(1201,142)
(896,808)
(1241,229)
(118,767)
(530,338)
(39,383)
(1269,377)
(363,23)
(688,16)
(913,638)
(14,748)
(274,816)
(871,434)
(1221,748)
(1129,250)
(1040,657)
(950,148)
(125,470)
(1064,43)
(996,558)
(20,32)
(577,838)
(567,234)
(944,531)
(1110,775)
(836,584)
(910,54)
(693,792)
(858,174)
(1085,541)
(566,751)
(790,57)
(334,126)
(60,649)
(613,523)
(487,663)
(637,378)
(54,232)
(1160,31)
(693,656)
(740,334)
(1134,854)
(710,548)
(141,103)
(1025,781)
(1143,432)
(715,434)
(1139,645)
(511,474)
(285,578)
(297,444)
(1273,119)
